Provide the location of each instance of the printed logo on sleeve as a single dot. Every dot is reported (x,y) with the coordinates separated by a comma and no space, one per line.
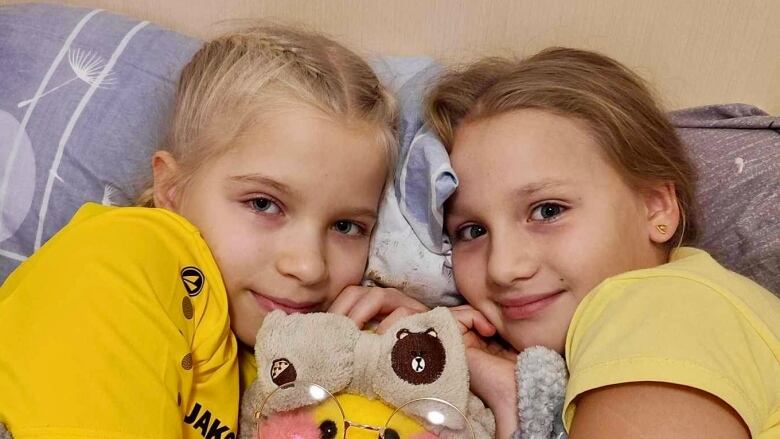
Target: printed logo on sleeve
(193,280)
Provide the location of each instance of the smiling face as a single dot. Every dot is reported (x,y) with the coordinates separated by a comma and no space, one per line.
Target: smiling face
(287,212)
(538,220)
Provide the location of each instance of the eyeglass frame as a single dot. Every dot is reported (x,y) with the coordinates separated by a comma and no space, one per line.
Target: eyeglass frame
(347,422)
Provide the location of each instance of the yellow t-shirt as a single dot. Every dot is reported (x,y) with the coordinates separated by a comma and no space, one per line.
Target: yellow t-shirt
(689,322)
(118,327)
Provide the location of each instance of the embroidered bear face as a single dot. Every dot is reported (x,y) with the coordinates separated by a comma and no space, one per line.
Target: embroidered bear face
(282,372)
(418,357)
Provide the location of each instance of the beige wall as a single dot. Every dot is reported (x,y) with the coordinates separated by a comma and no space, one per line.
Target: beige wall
(695,52)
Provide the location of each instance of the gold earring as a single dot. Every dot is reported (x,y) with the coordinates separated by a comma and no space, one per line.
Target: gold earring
(661,228)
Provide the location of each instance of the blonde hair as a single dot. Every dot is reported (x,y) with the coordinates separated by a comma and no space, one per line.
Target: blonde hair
(614,102)
(236,78)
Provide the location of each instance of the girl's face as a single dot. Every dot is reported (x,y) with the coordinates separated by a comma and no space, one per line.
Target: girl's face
(287,212)
(539,219)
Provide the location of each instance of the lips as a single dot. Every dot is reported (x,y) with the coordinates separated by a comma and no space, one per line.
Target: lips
(525,307)
(270,303)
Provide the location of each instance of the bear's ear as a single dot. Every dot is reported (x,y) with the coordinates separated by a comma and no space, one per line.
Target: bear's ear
(401,334)
(283,372)
(432,333)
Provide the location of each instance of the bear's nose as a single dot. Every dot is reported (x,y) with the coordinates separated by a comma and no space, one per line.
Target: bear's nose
(418,364)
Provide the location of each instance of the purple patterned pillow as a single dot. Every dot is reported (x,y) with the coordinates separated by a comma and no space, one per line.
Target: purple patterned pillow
(736,150)
(84,95)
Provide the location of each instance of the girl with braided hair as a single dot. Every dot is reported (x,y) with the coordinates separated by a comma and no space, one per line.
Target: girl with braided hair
(131,322)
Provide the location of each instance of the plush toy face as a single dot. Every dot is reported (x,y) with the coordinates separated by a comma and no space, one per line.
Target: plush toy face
(325,421)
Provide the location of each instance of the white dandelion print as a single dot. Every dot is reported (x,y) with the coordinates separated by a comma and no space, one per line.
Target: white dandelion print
(87,66)
(110,193)
(95,71)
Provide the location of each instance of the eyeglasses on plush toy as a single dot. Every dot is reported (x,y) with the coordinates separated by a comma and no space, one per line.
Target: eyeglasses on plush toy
(327,416)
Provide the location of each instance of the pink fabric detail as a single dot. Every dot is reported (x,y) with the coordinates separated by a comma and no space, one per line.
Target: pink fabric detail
(297,424)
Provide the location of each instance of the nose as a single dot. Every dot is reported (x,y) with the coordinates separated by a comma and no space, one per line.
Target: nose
(303,258)
(511,258)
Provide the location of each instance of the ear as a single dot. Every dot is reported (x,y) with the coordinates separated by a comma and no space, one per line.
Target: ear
(663,212)
(166,173)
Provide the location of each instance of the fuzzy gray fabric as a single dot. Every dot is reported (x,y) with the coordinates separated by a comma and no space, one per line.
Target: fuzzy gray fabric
(541,383)
(4,434)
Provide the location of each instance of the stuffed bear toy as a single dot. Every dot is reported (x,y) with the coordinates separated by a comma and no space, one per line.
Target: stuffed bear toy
(364,382)
(410,382)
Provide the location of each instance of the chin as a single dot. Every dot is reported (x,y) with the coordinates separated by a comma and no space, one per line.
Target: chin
(522,338)
(248,334)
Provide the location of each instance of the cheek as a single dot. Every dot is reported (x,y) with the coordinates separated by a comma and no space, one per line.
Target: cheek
(469,271)
(584,262)
(239,252)
(347,264)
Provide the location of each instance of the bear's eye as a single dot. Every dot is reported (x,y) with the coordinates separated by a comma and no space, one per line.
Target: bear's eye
(391,434)
(328,430)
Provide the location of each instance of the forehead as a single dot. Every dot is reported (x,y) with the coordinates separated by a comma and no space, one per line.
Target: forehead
(525,157)
(306,159)
(529,144)
(301,141)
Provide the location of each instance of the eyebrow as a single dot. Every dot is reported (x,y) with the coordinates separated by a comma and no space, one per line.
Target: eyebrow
(262,179)
(538,186)
(363,213)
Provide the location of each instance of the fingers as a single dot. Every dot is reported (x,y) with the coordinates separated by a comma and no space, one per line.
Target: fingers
(347,299)
(492,378)
(364,304)
(472,340)
(471,319)
(496,348)
(393,317)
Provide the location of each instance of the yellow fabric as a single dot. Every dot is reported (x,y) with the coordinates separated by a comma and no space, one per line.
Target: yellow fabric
(100,338)
(247,366)
(689,322)
(364,411)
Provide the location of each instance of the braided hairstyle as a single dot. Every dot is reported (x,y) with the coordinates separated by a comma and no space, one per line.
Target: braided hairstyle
(236,78)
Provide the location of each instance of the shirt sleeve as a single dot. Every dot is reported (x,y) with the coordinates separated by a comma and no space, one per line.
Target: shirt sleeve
(666,329)
(93,339)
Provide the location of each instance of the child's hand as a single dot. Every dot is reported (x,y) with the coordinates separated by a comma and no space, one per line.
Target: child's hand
(491,368)
(474,326)
(493,380)
(366,304)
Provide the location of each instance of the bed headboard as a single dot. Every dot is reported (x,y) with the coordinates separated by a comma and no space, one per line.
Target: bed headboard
(694,52)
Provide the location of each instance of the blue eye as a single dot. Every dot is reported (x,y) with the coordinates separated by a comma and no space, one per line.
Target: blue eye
(470,232)
(348,228)
(547,211)
(265,205)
